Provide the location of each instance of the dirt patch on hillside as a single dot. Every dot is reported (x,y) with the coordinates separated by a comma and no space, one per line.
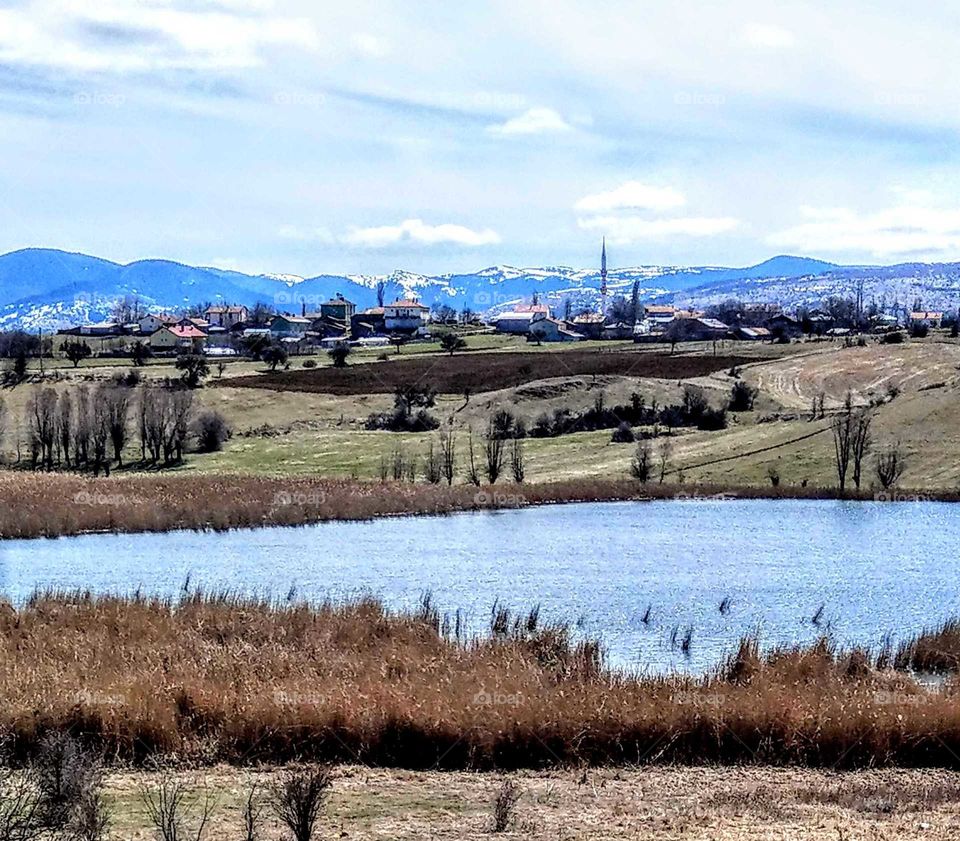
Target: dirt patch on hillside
(480,372)
(866,372)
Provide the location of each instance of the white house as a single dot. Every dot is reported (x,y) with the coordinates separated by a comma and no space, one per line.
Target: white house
(149,324)
(226,317)
(658,316)
(551,330)
(521,319)
(406,317)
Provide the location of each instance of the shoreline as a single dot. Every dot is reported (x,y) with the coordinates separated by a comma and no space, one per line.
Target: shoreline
(52,505)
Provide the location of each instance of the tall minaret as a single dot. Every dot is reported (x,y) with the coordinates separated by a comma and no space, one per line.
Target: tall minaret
(603,278)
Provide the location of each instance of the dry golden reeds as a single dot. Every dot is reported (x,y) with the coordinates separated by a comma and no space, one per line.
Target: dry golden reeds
(211,678)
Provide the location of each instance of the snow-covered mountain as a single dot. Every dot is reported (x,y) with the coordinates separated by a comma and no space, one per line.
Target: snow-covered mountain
(48,289)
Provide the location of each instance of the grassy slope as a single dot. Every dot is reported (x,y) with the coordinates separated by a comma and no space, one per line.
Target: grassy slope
(323,434)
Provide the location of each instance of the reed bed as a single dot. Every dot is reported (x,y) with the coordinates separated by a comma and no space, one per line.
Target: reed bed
(57,504)
(935,651)
(220,678)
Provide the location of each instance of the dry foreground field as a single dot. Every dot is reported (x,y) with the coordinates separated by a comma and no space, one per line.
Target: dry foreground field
(700,804)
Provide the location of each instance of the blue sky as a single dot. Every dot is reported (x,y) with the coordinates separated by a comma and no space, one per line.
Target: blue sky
(434,136)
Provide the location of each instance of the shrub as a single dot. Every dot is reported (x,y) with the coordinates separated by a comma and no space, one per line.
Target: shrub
(338,354)
(623,434)
(274,356)
(171,808)
(194,367)
(309,363)
(297,799)
(403,418)
(505,805)
(640,465)
(68,782)
(712,420)
(742,396)
(451,342)
(919,330)
(211,431)
(893,338)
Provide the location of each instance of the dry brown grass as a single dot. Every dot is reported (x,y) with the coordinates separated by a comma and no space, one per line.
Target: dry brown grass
(225,679)
(56,504)
(662,803)
(936,650)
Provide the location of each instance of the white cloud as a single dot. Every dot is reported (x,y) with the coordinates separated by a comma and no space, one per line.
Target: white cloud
(369,45)
(632,195)
(906,230)
(532,121)
(416,231)
(124,37)
(768,36)
(624,230)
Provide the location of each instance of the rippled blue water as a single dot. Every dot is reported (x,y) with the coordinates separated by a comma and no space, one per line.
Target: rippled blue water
(877,568)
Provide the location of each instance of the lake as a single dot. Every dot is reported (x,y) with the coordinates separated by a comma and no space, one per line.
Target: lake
(876,568)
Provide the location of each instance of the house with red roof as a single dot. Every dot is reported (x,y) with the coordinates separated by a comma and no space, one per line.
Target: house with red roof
(406,316)
(180,338)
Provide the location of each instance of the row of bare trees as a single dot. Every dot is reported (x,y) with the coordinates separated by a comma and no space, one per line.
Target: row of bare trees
(88,428)
(441,462)
(852,441)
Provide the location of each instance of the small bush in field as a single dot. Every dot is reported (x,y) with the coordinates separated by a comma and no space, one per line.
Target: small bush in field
(309,363)
(742,396)
(505,805)
(297,799)
(211,431)
(623,434)
(174,813)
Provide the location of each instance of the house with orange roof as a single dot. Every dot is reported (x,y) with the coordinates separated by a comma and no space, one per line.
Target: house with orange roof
(180,338)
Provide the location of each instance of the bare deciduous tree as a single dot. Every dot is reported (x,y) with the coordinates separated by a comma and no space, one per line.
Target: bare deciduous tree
(117,402)
(448,454)
(493,450)
(81,427)
(666,453)
(473,473)
(890,465)
(640,464)
(517,466)
(432,466)
(843,438)
(41,418)
(861,443)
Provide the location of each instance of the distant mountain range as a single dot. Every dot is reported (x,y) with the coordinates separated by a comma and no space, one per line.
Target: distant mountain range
(48,289)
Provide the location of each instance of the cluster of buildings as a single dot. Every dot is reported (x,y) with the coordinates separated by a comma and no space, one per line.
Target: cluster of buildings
(661,322)
(653,322)
(220,329)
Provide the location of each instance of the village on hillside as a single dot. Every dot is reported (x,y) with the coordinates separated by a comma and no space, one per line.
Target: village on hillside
(236,330)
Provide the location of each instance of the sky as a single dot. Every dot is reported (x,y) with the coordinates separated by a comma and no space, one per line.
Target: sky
(362,137)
